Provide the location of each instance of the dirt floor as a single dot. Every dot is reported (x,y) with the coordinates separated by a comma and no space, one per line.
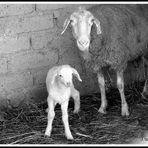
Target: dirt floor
(27,125)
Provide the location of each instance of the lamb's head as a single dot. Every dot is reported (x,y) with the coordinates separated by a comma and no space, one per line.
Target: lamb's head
(82,21)
(65,73)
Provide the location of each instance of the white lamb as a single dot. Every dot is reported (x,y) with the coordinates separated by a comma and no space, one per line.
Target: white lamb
(60,88)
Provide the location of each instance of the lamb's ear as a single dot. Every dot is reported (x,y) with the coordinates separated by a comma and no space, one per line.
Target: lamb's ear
(53,78)
(97,23)
(75,72)
(66,23)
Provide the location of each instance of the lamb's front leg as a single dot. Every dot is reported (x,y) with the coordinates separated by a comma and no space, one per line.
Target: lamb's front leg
(120,85)
(50,116)
(64,108)
(101,82)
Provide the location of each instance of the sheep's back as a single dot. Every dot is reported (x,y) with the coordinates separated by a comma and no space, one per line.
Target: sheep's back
(124,34)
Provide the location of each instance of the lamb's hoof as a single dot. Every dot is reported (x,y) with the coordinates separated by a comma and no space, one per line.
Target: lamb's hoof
(70,137)
(76,110)
(46,110)
(102,110)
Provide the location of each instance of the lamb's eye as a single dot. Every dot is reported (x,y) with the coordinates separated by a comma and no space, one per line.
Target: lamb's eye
(92,21)
(60,75)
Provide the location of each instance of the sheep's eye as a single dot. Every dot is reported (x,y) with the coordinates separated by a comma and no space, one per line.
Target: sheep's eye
(73,22)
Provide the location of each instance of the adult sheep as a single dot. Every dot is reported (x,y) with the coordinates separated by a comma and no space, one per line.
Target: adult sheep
(120,36)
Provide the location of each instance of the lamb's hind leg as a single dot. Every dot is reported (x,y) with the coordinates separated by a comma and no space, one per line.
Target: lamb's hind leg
(76,97)
(120,85)
(101,82)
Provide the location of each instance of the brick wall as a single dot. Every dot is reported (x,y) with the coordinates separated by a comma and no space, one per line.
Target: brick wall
(30,44)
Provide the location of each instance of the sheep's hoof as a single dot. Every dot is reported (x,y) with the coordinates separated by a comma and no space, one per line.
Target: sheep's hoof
(102,110)
(48,133)
(125,113)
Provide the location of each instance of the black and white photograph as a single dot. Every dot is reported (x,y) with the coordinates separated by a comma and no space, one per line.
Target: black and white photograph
(74,73)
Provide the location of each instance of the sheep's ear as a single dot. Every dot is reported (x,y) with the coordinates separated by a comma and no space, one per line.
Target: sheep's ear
(66,23)
(75,72)
(97,23)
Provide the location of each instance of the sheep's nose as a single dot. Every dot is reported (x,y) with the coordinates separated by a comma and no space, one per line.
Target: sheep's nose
(83,43)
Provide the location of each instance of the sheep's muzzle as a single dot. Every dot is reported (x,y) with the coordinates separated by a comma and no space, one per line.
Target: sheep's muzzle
(86,55)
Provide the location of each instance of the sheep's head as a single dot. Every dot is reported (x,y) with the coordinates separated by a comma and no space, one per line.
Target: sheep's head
(82,21)
(65,73)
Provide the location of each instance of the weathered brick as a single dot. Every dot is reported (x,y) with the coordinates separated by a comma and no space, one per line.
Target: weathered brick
(12,44)
(3,64)
(16,97)
(52,39)
(63,43)
(14,25)
(39,76)
(15,81)
(44,7)
(15,9)
(41,39)
(38,94)
(32,59)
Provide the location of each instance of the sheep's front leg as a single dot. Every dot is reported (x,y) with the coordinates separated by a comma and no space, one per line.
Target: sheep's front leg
(76,97)
(101,82)
(120,85)
(64,107)
(50,116)
(145,90)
